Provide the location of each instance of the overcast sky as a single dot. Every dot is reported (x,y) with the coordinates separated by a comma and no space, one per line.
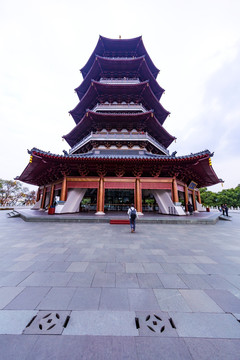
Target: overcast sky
(195,44)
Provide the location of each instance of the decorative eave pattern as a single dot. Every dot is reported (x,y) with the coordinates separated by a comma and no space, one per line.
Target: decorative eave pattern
(134,46)
(101,92)
(90,120)
(105,65)
(47,167)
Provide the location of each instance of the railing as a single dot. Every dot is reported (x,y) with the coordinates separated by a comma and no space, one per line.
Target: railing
(119,107)
(123,136)
(119,80)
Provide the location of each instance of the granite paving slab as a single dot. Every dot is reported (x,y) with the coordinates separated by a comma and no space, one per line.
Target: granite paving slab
(47,278)
(152,268)
(149,281)
(15,321)
(191,269)
(102,323)
(195,281)
(171,300)
(152,348)
(218,282)
(77,267)
(85,299)
(7,294)
(198,301)
(209,349)
(102,279)
(14,278)
(206,325)
(226,300)
(172,281)
(142,299)
(114,299)
(16,346)
(83,347)
(115,268)
(57,299)
(81,280)
(28,299)
(134,268)
(124,280)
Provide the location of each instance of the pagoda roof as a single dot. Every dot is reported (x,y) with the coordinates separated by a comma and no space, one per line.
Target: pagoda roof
(90,118)
(120,48)
(103,65)
(101,92)
(46,167)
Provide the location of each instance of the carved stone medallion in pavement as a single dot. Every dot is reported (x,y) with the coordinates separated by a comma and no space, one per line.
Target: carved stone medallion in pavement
(48,323)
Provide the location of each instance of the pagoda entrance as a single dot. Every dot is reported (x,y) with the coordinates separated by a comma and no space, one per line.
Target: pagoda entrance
(118,199)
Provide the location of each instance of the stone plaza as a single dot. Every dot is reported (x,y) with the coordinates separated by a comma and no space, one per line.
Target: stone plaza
(97,291)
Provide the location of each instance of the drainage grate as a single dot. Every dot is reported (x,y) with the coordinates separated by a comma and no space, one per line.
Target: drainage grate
(48,323)
(151,324)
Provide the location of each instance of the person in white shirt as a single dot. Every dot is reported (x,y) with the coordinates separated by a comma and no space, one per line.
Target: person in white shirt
(132,213)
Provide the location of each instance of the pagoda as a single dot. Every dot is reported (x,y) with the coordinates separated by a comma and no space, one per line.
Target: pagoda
(118,147)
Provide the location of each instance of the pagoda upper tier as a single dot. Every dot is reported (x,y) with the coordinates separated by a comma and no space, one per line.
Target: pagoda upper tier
(121,98)
(96,122)
(120,70)
(119,48)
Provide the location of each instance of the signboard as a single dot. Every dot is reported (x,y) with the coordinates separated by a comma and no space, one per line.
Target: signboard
(192,185)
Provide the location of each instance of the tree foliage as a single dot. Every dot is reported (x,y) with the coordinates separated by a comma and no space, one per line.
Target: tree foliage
(231,197)
(13,193)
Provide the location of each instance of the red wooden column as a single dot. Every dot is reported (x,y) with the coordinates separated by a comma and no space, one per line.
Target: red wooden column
(194,200)
(175,190)
(100,197)
(138,197)
(51,195)
(43,197)
(38,195)
(64,189)
(199,197)
(186,197)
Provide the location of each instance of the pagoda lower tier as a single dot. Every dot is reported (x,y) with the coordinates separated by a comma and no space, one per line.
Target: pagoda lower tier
(168,180)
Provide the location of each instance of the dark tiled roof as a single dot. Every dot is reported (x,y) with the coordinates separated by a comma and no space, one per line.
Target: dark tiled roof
(112,155)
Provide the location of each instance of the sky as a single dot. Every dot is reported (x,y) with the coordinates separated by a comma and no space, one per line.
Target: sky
(195,44)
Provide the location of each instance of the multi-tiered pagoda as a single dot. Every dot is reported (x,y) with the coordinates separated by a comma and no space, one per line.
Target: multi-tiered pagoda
(119,147)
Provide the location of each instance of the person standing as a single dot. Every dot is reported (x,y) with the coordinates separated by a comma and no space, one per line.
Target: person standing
(226,209)
(132,213)
(223,209)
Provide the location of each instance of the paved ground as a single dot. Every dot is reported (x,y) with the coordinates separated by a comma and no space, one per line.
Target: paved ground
(96,291)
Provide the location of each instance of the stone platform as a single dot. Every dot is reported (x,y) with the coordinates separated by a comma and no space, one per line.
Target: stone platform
(148,218)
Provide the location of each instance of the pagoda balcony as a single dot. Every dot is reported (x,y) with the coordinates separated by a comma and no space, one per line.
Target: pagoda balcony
(119,80)
(121,107)
(108,136)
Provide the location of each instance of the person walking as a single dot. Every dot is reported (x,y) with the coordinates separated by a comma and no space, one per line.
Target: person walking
(132,213)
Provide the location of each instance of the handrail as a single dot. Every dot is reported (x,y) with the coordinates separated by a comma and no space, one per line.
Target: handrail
(123,136)
(126,107)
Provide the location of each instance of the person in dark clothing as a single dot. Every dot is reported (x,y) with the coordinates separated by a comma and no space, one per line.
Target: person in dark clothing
(223,209)
(132,213)
(226,209)
(190,208)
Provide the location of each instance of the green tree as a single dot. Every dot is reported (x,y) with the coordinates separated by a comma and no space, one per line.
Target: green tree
(231,197)
(12,193)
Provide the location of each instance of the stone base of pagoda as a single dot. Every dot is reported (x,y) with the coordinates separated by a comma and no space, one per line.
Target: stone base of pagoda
(100,213)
